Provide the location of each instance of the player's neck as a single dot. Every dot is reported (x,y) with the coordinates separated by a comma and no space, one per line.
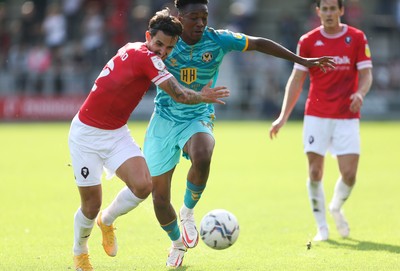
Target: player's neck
(332,30)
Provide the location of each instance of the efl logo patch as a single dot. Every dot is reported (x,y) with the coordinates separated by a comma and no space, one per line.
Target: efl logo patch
(238,36)
(158,63)
(367,51)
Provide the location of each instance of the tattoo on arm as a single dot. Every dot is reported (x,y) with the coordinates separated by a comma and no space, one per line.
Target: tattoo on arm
(184,95)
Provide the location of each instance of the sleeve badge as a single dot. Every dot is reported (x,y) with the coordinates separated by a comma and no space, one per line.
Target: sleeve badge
(158,63)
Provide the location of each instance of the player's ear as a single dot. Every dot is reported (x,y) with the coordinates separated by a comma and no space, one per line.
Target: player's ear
(342,11)
(148,36)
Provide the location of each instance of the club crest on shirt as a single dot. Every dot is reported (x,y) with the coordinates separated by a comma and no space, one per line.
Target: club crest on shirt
(207,57)
(348,39)
(158,63)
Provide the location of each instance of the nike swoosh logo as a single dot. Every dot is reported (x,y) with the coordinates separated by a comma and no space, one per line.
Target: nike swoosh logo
(187,236)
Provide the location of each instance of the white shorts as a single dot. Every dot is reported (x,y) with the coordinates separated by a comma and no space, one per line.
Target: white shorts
(339,136)
(93,149)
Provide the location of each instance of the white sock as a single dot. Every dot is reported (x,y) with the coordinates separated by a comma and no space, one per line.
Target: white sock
(317,199)
(124,202)
(82,229)
(178,243)
(185,211)
(341,193)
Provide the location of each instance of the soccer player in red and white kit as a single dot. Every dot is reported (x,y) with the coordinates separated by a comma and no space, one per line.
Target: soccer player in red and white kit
(99,136)
(332,109)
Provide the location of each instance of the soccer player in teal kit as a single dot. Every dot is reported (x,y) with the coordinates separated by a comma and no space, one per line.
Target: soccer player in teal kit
(176,128)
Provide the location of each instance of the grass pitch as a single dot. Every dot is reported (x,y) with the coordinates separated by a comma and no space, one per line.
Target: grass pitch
(261,181)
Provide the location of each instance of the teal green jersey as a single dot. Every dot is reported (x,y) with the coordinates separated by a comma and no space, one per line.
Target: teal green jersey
(194,66)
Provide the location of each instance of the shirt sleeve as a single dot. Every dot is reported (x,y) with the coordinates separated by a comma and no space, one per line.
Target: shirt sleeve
(155,69)
(364,54)
(232,41)
(301,51)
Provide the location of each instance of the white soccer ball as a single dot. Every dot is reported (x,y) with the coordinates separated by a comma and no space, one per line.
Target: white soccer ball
(219,229)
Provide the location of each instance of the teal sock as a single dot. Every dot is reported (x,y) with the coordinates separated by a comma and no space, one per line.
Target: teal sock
(192,194)
(172,230)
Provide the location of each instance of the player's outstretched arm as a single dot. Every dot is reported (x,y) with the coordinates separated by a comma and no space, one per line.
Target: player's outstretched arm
(293,89)
(270,47)
(188,96)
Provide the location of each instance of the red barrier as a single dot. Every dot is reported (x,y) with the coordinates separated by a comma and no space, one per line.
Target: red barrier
(39,108)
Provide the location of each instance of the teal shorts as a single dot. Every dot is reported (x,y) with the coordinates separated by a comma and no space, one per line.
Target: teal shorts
(165,140)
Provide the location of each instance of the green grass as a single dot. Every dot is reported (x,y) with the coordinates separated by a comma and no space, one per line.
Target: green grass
(261,181)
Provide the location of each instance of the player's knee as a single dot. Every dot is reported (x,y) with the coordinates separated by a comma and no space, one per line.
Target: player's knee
(91,210)
(315,173)
(201,159)
(142,189)
(349,177)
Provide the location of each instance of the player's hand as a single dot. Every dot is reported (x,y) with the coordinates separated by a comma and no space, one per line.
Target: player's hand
(275,127)
(213,95)
(356,102)
(321,62)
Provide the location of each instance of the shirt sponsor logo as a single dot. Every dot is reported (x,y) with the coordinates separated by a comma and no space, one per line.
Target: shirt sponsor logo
(158,63)
(342,60)
(188,75)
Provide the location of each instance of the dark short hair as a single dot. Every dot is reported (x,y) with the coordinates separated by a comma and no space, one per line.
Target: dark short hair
(180,4)
(340,3)
(165,22)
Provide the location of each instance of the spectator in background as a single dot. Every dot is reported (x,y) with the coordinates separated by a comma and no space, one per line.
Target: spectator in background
(243,15)
(394,74)
(55,35)
(5,36)
(71,10)
(17,64)
(289,30)
(117,24)
(93,39)
(27,29)
(139,16)
(38,62)
(354,13)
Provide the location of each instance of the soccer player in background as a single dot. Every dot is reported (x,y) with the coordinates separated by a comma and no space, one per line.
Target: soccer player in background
(99,136)
(176,128)
(332,110)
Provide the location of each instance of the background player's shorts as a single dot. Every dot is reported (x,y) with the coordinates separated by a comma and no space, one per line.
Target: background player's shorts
(339,136)
(165,139)
(93,149)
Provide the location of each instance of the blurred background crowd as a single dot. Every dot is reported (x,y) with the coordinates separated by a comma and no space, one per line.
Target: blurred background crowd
(53,48)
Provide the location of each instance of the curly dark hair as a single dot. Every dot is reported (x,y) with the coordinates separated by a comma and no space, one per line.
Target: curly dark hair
(165,22)
(340,3)
(180,4)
